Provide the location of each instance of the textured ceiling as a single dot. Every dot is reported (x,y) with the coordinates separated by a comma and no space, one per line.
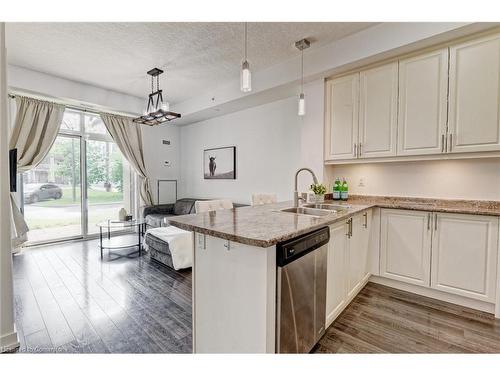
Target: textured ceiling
(196,56)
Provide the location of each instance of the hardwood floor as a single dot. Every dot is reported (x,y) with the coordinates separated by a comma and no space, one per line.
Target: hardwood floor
(67,300)
(386,320)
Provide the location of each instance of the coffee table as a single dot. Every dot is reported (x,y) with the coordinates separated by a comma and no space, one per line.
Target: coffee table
(117,242)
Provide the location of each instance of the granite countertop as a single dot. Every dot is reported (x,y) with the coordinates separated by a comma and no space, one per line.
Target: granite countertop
(265,226)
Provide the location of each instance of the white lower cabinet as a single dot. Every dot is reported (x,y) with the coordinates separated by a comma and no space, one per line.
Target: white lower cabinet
(464,255)
(336,278)
(357,255)
(348,262)
(405,246)
(453,253)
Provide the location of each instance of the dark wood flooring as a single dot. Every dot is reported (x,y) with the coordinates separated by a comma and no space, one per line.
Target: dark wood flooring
(67,300)
(386,320)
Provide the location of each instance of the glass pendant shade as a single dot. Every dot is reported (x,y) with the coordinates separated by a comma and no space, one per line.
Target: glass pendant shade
(302,105)
(246,77)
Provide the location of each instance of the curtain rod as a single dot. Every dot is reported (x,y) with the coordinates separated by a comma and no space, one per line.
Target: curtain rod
(74,107)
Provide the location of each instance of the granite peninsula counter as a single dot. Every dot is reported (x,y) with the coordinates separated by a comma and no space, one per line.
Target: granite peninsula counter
(265,226)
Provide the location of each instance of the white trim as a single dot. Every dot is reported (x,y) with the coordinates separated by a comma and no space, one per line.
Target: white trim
(497,307)
(9,342)
(436,294)
(401,158)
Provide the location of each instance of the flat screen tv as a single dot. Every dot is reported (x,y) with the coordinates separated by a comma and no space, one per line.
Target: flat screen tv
(13,169)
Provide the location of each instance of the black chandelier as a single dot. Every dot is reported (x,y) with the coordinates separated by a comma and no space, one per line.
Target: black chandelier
(157,111)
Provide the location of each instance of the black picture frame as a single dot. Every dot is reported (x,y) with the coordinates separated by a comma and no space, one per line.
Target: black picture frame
(228,152)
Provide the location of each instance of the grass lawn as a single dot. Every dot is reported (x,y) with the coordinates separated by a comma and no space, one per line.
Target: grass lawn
(95,196)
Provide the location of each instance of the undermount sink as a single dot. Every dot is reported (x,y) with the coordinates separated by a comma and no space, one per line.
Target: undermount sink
(326,206)
(307,211)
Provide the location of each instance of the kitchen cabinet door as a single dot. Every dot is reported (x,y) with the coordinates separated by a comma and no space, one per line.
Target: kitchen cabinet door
(378,105)
(341,122)
(405,246)
(474,118)
(423,95)
(336,278)
(357,253)
(464,255)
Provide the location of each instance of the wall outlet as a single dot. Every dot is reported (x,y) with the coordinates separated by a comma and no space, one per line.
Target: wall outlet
(167,163)
(165,142)
(362,182)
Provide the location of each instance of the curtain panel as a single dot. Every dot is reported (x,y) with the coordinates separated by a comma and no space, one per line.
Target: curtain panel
(128,138)
(35,130)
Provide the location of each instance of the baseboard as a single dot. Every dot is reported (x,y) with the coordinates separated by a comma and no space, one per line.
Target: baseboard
(436,294)
(9,342)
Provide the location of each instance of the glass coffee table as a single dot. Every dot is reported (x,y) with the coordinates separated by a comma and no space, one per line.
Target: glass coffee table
(121,242)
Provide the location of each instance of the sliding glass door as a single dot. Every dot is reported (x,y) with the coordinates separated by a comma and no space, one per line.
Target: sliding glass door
(105,183)
(52,193)
(82,181)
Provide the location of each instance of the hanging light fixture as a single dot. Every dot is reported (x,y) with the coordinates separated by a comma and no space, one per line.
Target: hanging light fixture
(157,111)
(301,45)
(246,75)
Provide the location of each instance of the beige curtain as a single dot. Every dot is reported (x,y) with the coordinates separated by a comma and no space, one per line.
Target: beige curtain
(128,137)
(35,130)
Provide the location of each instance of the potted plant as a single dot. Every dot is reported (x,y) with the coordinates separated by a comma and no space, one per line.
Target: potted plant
(319,191)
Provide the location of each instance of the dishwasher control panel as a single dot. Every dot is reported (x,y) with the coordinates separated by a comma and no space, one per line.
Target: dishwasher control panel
(295,248)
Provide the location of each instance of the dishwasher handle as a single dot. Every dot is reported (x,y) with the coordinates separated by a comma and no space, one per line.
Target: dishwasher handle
(291,250)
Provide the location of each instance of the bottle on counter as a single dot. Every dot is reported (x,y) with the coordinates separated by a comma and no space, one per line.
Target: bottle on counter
(336,189)
(344,190)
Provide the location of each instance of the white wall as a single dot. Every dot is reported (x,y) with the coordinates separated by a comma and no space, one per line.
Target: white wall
(156,153)
(26,79)
(271,140)
(453,179)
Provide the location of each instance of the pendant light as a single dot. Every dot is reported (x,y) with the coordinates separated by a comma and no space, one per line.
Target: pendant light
(157,110)
(301,45)
(246,75)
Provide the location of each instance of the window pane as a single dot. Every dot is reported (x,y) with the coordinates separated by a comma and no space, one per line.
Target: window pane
(71,121)
(52,204)
(94,124)
(107,171)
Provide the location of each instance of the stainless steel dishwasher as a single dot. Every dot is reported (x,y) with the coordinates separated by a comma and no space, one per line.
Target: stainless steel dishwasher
(301,291)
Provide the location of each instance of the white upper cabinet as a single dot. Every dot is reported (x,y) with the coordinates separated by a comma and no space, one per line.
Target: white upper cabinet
(341,123)
(464,255)
(378,102)
(405,246)
(423,90)
(474,121)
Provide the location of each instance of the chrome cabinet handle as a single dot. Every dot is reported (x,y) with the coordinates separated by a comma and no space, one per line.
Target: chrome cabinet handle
(442,142)
(228,245)
(435,221)
(366,220)
(451,141)
(359,149)
(355,153)
(428,221)
(350,227)
(348,234)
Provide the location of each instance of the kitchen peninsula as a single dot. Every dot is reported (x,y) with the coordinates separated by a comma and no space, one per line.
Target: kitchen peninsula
(382,239)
